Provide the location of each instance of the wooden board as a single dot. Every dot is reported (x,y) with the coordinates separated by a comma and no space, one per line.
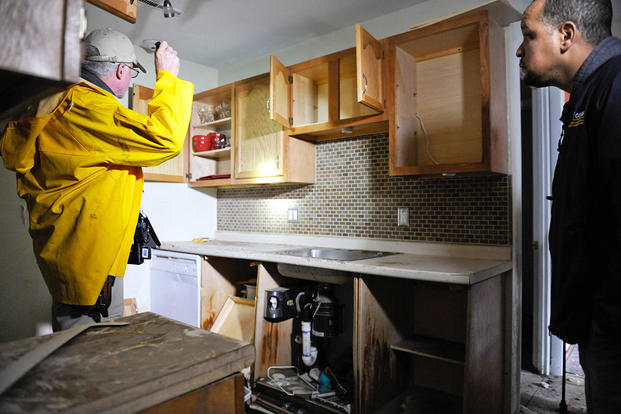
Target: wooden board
(433,348)
(122,369)
(236,319)
(406,129)
(259,146)
(380,322)
(449,103)
(369,70)
(484,374)
(124,9)
(219,281)
(271,339)
(278,104)
(224,396)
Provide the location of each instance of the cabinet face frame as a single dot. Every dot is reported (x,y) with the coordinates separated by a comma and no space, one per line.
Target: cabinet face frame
(369,55)
(224,93)
(492,97)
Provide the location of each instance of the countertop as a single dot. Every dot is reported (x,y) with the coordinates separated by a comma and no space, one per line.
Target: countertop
(426,267)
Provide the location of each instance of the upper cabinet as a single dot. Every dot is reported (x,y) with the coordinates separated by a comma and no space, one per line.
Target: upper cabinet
(232,141)
(40,53)
(331,96)
(125,9)
(447,91)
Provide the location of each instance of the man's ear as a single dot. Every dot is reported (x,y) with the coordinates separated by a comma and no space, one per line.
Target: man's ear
(120,70)
(569,35)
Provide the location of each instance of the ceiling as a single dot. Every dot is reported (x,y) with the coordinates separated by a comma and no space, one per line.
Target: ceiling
(219,33)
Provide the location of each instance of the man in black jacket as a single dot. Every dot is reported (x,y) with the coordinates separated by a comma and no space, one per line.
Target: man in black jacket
(568,44)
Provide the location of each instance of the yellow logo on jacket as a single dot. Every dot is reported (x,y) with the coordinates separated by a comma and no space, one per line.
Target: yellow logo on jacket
(577,120)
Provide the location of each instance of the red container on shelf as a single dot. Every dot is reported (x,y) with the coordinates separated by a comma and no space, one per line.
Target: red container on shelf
(202,143)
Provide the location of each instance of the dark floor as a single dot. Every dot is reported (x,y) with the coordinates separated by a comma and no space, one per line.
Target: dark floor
(541,394)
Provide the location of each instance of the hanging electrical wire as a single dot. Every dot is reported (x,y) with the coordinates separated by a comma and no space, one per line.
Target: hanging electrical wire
(422,124)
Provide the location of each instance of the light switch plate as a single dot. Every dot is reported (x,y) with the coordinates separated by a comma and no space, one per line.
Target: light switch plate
(293,214)
(403,216)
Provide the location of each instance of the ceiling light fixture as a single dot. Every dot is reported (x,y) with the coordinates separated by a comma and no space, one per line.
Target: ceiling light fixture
(166,6)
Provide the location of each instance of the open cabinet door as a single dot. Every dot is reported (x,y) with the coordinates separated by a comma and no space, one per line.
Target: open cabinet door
(369,70)
(279,92)
(172,170)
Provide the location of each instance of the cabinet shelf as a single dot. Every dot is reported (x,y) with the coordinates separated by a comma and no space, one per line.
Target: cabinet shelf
(217,122)
(433,348)
(215,154)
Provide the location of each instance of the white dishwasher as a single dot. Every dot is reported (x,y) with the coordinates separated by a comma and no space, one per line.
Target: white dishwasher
(176,286)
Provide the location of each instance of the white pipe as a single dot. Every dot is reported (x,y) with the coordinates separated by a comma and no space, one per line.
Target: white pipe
(309,353)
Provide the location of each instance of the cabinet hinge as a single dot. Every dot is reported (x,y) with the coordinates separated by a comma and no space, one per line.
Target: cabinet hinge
(188,176)
(383,55)
(290,79)
(290,121)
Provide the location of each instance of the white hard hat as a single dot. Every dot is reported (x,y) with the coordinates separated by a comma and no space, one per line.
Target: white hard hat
(113,46)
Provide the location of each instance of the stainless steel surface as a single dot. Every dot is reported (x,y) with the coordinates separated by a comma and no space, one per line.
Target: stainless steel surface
(335,254)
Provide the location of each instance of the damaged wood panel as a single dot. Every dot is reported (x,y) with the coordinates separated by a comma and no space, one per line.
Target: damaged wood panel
(484,374)
(220,277)
(225,396)
(272,340)
(126,369)
(378,374)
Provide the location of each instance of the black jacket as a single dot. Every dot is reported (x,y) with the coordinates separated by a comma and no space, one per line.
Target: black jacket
(585,231)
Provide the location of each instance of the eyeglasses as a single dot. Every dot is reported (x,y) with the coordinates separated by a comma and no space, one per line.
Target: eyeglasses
(135,71)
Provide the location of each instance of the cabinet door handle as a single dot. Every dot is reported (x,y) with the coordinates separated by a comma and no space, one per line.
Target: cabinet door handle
(366,84)
(277,162)
(268,104)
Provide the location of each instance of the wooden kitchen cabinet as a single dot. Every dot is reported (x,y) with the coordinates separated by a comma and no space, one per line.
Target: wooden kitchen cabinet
(447,97)
(259,151)
(125,9)
(40,54)
(439,345)
(316,99)
(212,111)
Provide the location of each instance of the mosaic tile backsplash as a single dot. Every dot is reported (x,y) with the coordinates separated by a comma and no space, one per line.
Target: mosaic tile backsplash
(353,196)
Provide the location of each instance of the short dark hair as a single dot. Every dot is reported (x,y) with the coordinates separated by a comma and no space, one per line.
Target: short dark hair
(593,18)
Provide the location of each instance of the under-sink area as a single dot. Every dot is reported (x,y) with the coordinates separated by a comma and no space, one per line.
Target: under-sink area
(335,254)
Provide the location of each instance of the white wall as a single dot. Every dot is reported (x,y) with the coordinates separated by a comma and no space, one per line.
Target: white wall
(176,211)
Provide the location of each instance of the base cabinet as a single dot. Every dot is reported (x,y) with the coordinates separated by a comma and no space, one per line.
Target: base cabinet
(433,347)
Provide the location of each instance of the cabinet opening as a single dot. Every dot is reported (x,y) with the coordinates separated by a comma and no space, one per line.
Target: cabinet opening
(211,113)
(439,98)
(310,95)
(349,107)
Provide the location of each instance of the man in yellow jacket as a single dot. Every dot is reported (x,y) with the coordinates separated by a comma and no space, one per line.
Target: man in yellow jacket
(78,163)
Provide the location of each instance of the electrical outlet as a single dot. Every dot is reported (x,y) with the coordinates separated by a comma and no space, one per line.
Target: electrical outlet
(403,216)
(293,214)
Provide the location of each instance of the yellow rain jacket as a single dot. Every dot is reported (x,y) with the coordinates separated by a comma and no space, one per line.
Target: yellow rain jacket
(79,170)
